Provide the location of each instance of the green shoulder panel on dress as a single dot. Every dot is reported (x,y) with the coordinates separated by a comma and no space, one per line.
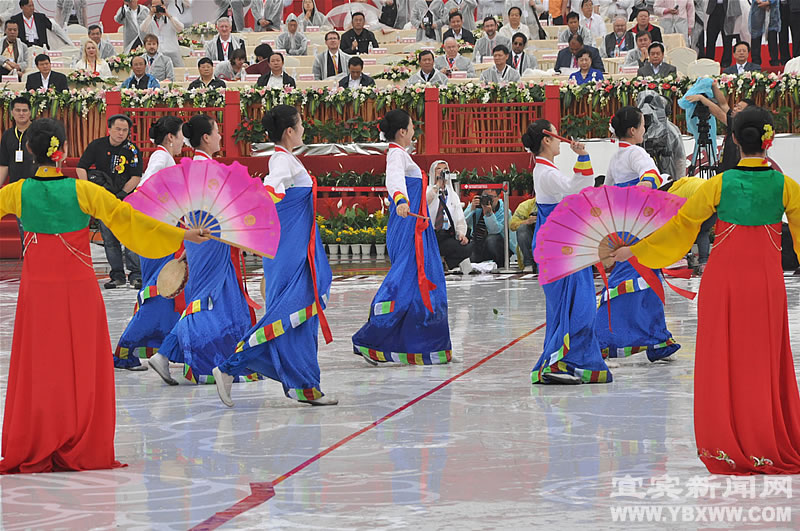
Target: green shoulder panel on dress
(50,206)
(751,197)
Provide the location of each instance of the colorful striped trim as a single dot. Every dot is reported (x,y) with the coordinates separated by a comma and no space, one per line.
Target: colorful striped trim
(624,352)
(262,335)
(653,177)
(382,308)
(557,365)
(399,198)
(198,306)
(146,293)
(432,358)
(629,286)
(301,316)
(203,379)
(305,395)
(140,352)
(276,197)
(583,166)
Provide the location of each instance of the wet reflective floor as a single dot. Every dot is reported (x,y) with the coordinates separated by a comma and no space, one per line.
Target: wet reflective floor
(471,445)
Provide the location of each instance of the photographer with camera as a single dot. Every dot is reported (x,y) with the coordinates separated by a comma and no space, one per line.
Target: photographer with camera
(118,169)
(720,110)
(444,206)
(485,216)
(662,138)
(162,23)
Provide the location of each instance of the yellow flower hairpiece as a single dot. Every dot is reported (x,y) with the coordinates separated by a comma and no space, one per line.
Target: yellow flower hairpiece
(53,146)
(766,138)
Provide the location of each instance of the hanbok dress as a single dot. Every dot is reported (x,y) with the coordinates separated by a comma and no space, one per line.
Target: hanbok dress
(637,313)
(408,316)
(283,345)
(570,346)
(153,315)
(216,314)
(746,402)
(60,409)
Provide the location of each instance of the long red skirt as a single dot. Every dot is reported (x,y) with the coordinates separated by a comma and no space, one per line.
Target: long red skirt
(746,402)
(60,408)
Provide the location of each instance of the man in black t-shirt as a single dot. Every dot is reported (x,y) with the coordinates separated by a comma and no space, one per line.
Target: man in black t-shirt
(357,39)
(118,169)
(16,162)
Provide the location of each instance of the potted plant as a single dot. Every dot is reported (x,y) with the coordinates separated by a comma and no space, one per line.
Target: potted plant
(380,242)
(350,239)
(367,238)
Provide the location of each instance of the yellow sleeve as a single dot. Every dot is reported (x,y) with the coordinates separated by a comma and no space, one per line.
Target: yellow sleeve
(522,213)
(140,233)
(791,202)
(11,199)
(671,242)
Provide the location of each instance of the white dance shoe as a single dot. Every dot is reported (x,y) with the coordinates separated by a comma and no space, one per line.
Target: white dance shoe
(224,383)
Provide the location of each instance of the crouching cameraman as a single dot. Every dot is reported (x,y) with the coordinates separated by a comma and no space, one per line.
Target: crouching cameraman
(449,224)
(485,216)
(662,138)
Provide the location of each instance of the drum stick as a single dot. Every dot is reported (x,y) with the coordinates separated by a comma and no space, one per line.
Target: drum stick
(418,216)
(554,135)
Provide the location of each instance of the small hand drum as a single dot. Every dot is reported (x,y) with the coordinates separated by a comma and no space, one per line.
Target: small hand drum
(172,278)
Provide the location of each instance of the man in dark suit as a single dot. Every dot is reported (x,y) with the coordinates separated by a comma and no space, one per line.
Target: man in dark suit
(741,52)
(568,57)
(655,65)
(45,77)
(722,17)
(276,77)
(356,78)
(619,37)
(457,30)
(32,26)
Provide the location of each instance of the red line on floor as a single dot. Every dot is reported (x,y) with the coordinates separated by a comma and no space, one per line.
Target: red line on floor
(262,492)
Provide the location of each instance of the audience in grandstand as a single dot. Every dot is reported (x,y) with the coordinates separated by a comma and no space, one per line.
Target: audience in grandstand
(675,16)
(427,72)
(638,56)
(568,57)
(467,10)
(620,38)
(220,47)
(585,72)
(205,67)
(490,39)
(502,71)
(452,61)
(276,77)
(741,54)
(234,68)
(268,14)
(33,26)
(96,35)
(457,29)
(655,65)
(165,28)
(140,79)
(574,28)
(132,15)
(428,16)
(66,8)
(91,62)
(45,78)
(356,78)
(358,39)
(332,61)
(14,55)
(236,9)
(158,65)
(592,21)
(643,24)
(311,16)
(292,40)
(519,59)
(514,25)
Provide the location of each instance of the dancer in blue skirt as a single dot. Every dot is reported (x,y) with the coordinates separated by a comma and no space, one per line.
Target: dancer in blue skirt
(283,345)
(637,313)
(571,354)
(153,315)
(217,312)
(408,316)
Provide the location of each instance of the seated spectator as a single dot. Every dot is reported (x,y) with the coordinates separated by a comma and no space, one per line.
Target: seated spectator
(675,16)
(501,72)
(514,25)
(261,66)
(428,17)
(158,65)
(616,8)
(453,61)
(331,62)
(574,28)
(485,216)
(33,26)
(291,40)
(356,78)
(444,206)
(105,47)
(161,24)
(741,52)
(643,24)
(205,67)
(140,79)
(619,38)
(568,57)
(45,77)
(465,7)
(485,45)
(655,65)
(222,46)
(592,21)
(638,56)
(132,15)
(232,69)
(523,223)
(14,55)
(268,14)
(457,30)
(276,77)
(91,62)
(585,71)
(311,16)
(427,73)
(358,39)
(519,59)
(118,168)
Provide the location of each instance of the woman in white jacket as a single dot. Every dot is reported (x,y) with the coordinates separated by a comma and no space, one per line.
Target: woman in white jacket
(448,218)
(91,62)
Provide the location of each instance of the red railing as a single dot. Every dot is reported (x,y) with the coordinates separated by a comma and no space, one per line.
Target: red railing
(483,127)
(227,117)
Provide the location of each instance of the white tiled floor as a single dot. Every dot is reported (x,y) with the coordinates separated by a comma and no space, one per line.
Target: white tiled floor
(488,451)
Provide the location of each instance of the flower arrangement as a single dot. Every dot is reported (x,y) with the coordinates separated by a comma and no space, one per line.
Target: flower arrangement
(250,131)
(84,78)
(122,62)
(202,29)
(394,73)
(187,41)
